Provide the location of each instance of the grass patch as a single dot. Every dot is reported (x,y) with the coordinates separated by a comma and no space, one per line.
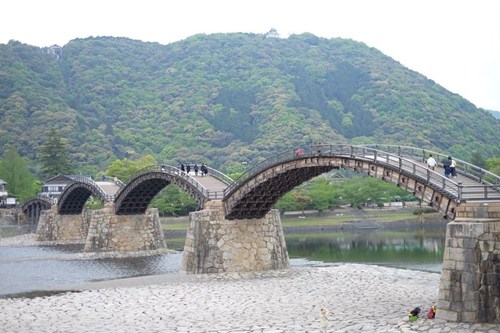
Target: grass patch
(182,223)
(176,243)
(347,217)
(317,221)
(174,223)
(391,217)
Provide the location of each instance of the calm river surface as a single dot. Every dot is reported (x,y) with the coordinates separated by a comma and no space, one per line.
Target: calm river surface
(39,268)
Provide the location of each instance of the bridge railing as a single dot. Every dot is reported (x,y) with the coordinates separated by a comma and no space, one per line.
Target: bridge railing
(306,151)
(218,195)
(215,195)
(113,180)
(43,197)
(412,168)
(406,159)
(89,181)
(465,168)
(172,171)
(220,176)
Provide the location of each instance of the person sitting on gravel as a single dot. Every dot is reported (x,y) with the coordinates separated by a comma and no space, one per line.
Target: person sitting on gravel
(413,315)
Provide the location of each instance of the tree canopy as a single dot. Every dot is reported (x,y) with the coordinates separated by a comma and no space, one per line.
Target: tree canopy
(224,99)
(54,157)
(14,169)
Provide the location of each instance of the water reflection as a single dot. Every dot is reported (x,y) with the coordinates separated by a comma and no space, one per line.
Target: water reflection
(24,269)
(415,250)
(30,268)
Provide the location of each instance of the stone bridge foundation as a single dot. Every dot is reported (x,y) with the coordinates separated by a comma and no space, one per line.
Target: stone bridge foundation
(124,233)
(470,280)
(216,245)
(62,229)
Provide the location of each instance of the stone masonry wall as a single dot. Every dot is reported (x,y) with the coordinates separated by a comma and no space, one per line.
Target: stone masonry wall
(124,233)
(470,280)
(12,216)
(62,229)
(216,245)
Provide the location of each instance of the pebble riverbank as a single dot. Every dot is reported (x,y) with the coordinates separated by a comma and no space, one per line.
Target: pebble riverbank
(359,298)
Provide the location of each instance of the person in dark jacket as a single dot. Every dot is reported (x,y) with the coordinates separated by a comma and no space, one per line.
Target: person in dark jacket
(203,169)
(447,166)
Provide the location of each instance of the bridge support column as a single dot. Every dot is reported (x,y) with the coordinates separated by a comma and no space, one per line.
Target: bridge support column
(62,229)
(216,245)
(124,233)
(470,280)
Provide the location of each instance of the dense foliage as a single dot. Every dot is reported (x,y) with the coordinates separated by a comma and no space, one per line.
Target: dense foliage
(224,99)
(327,193)
(14,169)
(54,156)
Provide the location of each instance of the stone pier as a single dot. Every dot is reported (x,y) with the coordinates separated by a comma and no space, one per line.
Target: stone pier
(470,280)
(124,233)
(216,245)
(62,229)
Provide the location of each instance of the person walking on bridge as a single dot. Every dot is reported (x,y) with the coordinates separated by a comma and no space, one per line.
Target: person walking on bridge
(204,169)
(195,170)
(431,162)
(318,148)
(298,153)
(453,168)
(446,165)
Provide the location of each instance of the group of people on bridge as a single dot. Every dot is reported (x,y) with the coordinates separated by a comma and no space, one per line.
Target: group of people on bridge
(449,165)
(202,169)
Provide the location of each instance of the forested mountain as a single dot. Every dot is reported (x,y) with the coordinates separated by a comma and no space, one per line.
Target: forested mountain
(495,114)
(224,99)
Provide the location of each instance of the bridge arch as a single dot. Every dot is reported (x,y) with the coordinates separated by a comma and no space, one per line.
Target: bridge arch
(75,195)
(254,194)
(138,192)
(33,207)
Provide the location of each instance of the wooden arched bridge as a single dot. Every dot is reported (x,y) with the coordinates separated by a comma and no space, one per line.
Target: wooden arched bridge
(216,241)
(260,187)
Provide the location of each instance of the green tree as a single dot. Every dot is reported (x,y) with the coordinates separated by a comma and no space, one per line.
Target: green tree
(477,159)
(124,169)
(54,155)
(15,171)
(173,201)
(493,165)
(320,193)
(288,202)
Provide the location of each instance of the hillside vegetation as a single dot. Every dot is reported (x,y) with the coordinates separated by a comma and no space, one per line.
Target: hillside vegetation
(224,99)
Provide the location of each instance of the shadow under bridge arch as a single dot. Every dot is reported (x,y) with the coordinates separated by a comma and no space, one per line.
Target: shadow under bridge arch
(33,207)
(136,195)
(76,194)
(255,196)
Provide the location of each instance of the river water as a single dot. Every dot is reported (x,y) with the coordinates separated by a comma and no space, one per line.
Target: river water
(43,268)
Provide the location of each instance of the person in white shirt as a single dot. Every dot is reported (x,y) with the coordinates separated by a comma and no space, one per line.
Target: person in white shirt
(453,168)
(431,162)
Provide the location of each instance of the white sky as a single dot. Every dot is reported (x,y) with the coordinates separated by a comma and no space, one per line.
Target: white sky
(453,42)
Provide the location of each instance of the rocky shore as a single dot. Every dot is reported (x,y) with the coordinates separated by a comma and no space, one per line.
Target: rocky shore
(359,298)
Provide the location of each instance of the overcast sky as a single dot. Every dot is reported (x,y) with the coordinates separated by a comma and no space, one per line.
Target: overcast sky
(453,42)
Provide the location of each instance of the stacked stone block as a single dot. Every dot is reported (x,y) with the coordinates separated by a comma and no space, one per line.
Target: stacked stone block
(12,216)
(216,245)
(124,233)
(470,279)
(62,229)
